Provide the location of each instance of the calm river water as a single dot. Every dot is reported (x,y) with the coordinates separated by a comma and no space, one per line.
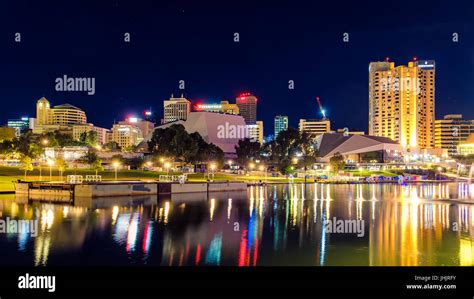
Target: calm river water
(276,225)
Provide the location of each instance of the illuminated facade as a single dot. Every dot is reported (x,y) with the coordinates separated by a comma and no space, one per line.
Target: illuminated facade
(78,130)
(247,104)
(21,125)
(176,109)
(145,126)
(315,127)
(451,131)
(255,132)
(56,118)
(402,102)
(126,136)
(281,124)
(466,147)
(223,107)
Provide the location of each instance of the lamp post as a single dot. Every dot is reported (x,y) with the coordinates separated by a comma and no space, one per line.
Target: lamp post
(251,166)
(50,163)
(213,167)
(167,167)
(116,166)
(262,168)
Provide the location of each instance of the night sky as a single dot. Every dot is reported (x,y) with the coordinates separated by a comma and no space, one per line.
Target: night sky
(193,41)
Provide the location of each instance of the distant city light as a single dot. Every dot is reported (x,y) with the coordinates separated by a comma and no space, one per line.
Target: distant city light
(147,113)
(133,119)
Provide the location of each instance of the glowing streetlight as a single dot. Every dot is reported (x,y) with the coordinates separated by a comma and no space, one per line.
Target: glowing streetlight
(45,141)
(162,160)
(116,165)
(294,160)
(230,163)
(50,163)
(262,168)
(213,168)
(251,166)
(167,166)
(149,164)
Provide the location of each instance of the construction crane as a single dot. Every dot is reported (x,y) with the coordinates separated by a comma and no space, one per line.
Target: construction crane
(321,108)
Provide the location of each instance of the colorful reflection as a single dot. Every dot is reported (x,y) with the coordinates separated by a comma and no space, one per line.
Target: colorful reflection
(405,225)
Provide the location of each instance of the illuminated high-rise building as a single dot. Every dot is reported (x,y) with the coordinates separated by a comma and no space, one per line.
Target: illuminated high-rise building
(176,109)
(402,102)
(247,104)
(281,124)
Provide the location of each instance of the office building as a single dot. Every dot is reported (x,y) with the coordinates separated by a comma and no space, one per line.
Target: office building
(315,127)
(145,126)
(281,124)
(451,131)
(176,109)
(101,133)
(402,102)
(247,104)
(126,136)
(466,147)
(60,117)
(223,107)
(255,132)
(21,125)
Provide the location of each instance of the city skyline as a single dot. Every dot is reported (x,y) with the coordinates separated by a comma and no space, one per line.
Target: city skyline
(214,67)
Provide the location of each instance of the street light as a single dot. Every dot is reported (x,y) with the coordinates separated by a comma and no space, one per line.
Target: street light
(251,166)
(116,166)
(50,163)
(295,160)
(167,166)
(45,141)
(261,168)
(213,167)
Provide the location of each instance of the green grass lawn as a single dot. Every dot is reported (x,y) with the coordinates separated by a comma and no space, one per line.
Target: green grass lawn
(10,174)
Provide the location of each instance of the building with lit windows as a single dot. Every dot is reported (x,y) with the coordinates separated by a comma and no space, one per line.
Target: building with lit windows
(223,107)
(402,102)
(21,125)
(145,126)
(315,127)
(281,124)
(466,147)
(176,109)
(451,131)
(78,130)
(247,104)
(126,136)
(59,117)
(255,132)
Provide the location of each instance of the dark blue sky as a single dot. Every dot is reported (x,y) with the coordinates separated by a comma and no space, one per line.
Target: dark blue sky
(193,41)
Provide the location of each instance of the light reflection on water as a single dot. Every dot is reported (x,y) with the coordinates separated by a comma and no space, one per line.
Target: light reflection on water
(429,224)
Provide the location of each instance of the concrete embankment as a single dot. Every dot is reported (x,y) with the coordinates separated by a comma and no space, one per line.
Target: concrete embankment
(46,190)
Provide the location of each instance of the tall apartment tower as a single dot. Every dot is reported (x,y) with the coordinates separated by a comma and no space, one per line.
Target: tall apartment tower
(402,102)
(247,104)
(281,124)
(176,109)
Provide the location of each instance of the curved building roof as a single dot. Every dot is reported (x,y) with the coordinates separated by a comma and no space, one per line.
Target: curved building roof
(66,106)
